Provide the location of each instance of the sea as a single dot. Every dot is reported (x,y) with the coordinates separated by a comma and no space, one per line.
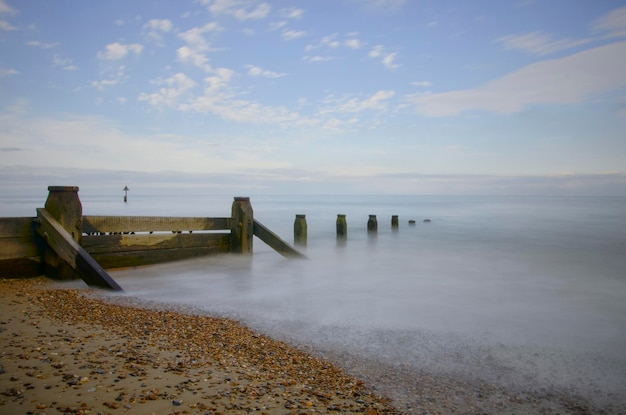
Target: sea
(524,292)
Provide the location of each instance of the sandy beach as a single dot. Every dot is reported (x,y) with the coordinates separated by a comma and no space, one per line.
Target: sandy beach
(65,353)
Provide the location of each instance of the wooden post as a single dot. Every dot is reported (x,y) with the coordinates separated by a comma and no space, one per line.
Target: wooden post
(394,222)
(342,227)
(125,189)
(242,226)
(300,230)
(64,206)
(372,224)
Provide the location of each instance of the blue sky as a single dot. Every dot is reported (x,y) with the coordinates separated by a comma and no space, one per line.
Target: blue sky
(327,96)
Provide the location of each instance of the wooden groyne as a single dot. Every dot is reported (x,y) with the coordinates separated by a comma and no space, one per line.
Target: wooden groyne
(61,242)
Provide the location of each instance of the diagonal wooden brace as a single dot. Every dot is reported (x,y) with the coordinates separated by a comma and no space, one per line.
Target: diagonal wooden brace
(61,242)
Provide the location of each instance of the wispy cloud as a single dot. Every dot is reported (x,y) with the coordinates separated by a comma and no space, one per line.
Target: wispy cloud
(614,23)
(589,73)
(292,13)
(387,58)
(43,45)
(154,29)
(293,34)
(6,9)
(538,43)
(172,89)
(258,71)
(378,101)
(115,51)
(239,9)
(7,72)
(65,63)
(4,25)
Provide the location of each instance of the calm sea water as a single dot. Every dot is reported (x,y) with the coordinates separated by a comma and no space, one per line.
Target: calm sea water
(523,291)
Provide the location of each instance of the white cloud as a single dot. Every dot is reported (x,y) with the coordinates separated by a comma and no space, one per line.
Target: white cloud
(420,84)
(195,37)
(387,59)
(7,72)
(173,89)
(378,101)
(198,59)
(43,45)
(387,5)
(292,34)
(572,79)
(66,63)
(538,43)
(239,9)
(154,29)
(4,25)
(317,58)
(115,51)
(6,9)
(292,13)
(257,71)
(353,43)
(614,23)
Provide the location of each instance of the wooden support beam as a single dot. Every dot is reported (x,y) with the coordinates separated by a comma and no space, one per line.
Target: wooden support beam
(274,241)
(62,243)
(242,228)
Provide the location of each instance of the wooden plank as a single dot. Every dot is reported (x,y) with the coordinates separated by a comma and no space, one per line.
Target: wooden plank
(16,227)
(93,224)
(18,248)
(140,258)
(21,267)
(146,242)
(72,253)
(274,241)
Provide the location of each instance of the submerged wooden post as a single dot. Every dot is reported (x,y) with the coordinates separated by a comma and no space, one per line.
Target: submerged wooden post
(342,227)
(300,230)
(125,189)
(394,222)
(242,226)
(372,224)
(64,206)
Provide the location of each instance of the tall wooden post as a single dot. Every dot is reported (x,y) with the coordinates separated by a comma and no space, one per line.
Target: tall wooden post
(372,224)
(65,207)
(394,222)
(300,230)
(242,226)
(342,227)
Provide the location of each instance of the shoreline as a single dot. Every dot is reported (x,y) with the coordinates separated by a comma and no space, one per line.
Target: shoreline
(65,350)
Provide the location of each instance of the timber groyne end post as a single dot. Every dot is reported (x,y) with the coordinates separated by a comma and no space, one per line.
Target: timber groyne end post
(65,207)
(242,226)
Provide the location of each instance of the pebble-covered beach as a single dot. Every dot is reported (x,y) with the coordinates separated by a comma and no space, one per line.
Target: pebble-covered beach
(66,352)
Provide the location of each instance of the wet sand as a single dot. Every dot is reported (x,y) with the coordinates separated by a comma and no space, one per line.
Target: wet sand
(63,351)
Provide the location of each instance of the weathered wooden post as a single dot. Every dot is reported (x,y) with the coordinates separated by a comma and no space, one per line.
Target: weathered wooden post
(342,227)
(125,189)
(372,224)
(394,222)
(242,226)
(65,207)
(300,230)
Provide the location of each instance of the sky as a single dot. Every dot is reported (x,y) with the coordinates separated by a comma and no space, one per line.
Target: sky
(325,96)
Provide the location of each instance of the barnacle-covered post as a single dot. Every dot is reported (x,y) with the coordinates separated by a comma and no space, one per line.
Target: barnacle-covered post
(300,230)
(394,222)
(64,206)
(242,226)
